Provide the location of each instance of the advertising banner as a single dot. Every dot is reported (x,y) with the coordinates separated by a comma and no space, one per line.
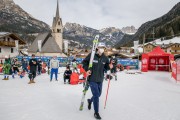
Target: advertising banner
(145,60)
(174,70)
(178,70)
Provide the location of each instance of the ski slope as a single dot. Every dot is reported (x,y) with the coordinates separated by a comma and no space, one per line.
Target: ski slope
(147,96)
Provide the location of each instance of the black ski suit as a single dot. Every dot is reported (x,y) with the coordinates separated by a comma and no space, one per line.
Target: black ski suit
(114,62)
(33,68)
(97,76)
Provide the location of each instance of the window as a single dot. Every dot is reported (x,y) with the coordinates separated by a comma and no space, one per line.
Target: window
(12,50)
(0,50)
(59,30)
(58,23)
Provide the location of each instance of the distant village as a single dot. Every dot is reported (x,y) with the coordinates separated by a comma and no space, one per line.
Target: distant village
(52,43)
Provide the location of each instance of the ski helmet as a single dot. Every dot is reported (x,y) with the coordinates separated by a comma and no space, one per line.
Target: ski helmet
(101,45)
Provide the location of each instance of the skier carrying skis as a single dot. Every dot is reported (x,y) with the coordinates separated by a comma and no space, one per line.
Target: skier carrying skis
(96,76)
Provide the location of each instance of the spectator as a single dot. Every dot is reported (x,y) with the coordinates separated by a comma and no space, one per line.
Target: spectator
(39,64)
(6,68)
(54,65)
(25,65)
(67,74)
(33,68)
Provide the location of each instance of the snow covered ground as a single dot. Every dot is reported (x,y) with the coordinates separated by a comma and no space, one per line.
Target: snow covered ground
(147,96)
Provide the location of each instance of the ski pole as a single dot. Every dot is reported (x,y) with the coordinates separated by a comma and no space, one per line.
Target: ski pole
(107,91)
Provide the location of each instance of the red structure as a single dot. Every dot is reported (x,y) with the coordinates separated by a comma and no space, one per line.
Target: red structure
(156,60)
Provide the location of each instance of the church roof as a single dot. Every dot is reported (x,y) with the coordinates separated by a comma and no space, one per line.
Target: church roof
(34,46)
(51,46)
(57,10)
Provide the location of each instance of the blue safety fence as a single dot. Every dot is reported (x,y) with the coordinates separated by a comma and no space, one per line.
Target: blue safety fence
(64,60)
(129,62)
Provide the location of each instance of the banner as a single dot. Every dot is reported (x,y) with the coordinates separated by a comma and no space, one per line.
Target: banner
(17,44)
(39,45)
(145,60)
(178,70)
(129,62)
(174,70)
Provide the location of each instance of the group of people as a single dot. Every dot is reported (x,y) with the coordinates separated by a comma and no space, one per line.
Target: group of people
(11,67)
(94,74)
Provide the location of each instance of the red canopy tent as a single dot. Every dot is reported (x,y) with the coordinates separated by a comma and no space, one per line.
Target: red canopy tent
(156,60)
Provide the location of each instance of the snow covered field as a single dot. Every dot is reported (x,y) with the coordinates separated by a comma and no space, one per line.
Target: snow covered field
(147,96)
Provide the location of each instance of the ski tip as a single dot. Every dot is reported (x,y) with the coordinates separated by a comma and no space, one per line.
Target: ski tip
(97,37)
(81,108)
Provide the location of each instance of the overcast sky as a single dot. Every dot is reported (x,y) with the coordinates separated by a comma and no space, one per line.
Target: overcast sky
(99,13)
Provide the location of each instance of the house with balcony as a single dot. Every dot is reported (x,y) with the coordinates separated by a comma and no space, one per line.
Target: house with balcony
(7,44)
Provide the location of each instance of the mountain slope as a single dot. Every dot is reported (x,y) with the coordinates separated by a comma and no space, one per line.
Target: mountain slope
(167,25)
(14,19)
(83,35)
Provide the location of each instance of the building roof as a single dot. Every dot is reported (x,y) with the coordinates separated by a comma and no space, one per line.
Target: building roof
(12,35)
(49,44)
(165,42)
(34,46)
(57,17)
(172,45)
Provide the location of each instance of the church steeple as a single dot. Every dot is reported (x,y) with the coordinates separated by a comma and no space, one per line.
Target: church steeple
(57,28)
(57,10)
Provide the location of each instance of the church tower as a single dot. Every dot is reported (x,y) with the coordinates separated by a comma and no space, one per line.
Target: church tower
(57,28)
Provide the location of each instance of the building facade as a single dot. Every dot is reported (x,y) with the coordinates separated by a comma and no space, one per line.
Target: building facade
(173,48)
(148,47)
(7,44)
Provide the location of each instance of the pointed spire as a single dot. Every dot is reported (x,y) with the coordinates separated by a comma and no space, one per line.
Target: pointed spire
(57,10)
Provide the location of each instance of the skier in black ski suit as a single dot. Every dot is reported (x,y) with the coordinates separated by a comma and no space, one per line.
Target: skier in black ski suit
(96,76)
(33,69)
(113,70)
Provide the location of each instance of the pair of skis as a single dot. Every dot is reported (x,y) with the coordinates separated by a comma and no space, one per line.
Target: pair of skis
(86,86)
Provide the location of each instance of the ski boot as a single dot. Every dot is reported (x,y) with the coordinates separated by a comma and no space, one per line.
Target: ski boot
(89,104)
(30,82)
(97,116)
(33,81)
(4,78)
